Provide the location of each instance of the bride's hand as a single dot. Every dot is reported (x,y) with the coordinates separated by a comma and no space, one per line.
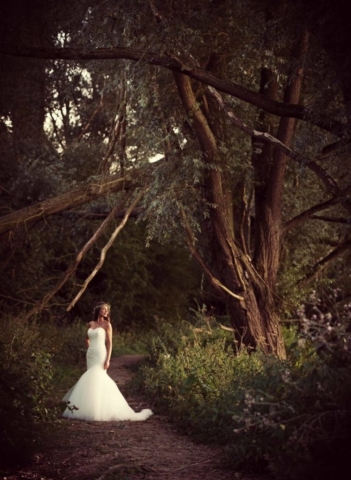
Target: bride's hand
(107,364)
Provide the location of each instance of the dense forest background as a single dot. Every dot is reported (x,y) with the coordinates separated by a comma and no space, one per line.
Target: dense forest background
(185,161)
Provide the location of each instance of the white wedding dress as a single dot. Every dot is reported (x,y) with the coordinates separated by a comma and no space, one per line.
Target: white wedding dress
(95,396)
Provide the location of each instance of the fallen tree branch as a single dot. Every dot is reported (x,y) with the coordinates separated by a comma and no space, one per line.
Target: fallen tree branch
(71,199)
(74,265)
(105,249)
(97,214)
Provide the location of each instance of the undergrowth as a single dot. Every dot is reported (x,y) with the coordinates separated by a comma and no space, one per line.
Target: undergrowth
(128,343)
(38,364)
(26,375)
(288,418)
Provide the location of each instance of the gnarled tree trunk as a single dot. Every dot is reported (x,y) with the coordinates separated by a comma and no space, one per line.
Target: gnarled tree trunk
(255,327)
(252,308)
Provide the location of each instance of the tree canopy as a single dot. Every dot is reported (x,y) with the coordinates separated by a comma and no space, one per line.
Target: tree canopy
(226,123)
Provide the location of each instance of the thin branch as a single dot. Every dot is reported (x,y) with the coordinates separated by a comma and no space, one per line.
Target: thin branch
(6,191)
(74,265)
(105,249)
(267,138)
(331,219)
(89,122)
(286,130)
(190,240)
(166,61)
(111,146)
(116,131)
(301,217)
(98,214)
(54,125)
(159,17)
(337,148)
(322,264)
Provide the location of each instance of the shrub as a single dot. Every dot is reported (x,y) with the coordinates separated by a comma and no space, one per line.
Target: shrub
(290,418)
(25,377)
(66,342)
(127,343)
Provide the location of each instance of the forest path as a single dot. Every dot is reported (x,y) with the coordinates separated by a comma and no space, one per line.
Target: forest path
(150,450)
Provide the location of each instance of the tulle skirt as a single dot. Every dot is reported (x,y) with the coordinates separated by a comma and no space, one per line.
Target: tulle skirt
(95,396)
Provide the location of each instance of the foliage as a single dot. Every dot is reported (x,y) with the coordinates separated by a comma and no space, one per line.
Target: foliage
(139,282)
(65,341)
(291,418)
(79,106)
(57,124)
(130,343)
(143,282)
(38,364)
(26,380)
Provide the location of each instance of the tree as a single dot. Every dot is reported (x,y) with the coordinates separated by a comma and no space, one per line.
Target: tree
(223,192)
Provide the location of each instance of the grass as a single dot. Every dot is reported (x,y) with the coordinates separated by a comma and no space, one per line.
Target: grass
(130,344)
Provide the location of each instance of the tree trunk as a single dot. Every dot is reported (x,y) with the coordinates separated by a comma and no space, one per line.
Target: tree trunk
(270,167)
(254,318)
(257,327)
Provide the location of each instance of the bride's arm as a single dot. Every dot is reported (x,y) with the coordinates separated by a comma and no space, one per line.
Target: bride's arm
(87,341)
(108,345)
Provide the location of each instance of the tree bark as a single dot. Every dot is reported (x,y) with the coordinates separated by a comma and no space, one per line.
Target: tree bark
(270,167)
(254,327)
(74,198)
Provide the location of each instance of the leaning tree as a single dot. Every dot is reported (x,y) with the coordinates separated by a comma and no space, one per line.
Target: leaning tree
(240,102)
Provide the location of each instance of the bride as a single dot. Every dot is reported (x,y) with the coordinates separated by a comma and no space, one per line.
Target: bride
(95,396)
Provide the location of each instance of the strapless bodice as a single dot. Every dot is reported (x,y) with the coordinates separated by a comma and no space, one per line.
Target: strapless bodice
(96,354)
(97,335)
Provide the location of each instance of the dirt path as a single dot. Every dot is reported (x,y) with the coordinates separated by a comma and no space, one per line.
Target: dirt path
(150,450)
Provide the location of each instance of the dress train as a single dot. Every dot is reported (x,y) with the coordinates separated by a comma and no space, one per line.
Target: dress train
(96,397)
